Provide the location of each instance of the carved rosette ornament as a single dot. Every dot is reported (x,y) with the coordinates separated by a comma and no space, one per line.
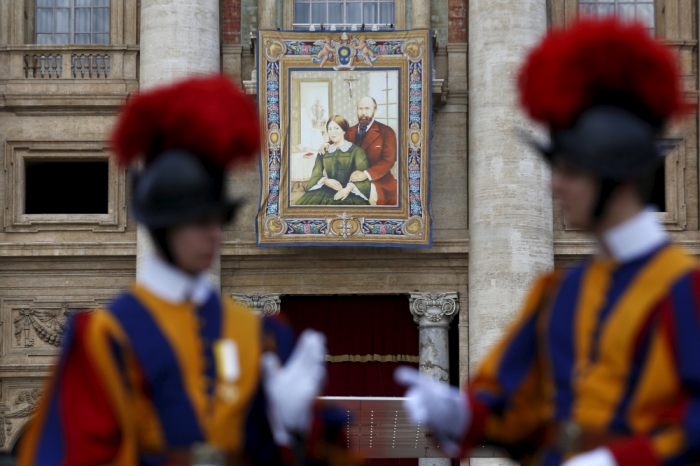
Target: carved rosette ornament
(262,304)
(434,307)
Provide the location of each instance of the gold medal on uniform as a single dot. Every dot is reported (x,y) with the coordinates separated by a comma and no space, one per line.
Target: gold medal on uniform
(228,369)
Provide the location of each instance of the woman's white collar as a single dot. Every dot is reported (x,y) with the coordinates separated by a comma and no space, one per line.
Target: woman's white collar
(344,146)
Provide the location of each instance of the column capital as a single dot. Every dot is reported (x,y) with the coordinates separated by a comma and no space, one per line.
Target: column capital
(434,309)
(262,304)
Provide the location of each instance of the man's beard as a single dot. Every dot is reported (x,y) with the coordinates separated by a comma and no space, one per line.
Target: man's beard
(364,121)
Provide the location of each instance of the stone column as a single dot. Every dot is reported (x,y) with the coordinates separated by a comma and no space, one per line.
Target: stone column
(178,38)
(433,313)
(420,14)
(510,205)
(261,304)
(267,15)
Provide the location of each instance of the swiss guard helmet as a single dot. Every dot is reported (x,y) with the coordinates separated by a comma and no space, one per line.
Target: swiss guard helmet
(186,134)
(606,91)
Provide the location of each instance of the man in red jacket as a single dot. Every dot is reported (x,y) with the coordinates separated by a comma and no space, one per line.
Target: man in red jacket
(379,142)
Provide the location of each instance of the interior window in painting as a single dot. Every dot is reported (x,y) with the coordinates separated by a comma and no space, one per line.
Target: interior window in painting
(343,14)
(72,21)
(631,10)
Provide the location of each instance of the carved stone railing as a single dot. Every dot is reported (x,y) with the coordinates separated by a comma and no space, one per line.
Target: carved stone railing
(58,75)
(43,65)
(89,65)
(49,65)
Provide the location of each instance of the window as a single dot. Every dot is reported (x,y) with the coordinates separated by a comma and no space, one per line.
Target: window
(74,187)
(632,10)
(386,96)
(72,21)
(343,14)
(658,190)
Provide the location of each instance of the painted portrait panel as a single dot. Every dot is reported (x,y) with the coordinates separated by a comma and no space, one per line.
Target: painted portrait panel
(346,125)
(368,102)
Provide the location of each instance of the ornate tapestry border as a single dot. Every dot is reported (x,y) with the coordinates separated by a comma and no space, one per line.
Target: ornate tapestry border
(409,225)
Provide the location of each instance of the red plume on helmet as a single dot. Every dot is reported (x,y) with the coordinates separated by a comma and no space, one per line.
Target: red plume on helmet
(206,116)
(600,62)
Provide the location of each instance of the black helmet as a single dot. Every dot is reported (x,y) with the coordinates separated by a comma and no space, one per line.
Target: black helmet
(605,89)
(179,187)
(187,134)
(609,142)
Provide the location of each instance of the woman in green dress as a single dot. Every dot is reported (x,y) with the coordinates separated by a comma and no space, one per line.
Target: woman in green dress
(330,179)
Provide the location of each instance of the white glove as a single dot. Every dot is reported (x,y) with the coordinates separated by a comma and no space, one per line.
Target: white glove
(443,408)
(598,457)
(292,388)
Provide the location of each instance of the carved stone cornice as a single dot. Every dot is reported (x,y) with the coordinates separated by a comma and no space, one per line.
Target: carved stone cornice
(262,304)
(434,308)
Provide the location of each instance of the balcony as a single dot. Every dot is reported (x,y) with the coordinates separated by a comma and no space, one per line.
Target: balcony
(94,77)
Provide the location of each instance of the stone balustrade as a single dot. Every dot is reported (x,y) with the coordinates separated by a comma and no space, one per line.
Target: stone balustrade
(49,65)
(58,75)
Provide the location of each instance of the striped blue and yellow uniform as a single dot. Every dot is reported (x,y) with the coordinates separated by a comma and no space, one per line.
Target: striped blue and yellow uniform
(614,348)
(138,378)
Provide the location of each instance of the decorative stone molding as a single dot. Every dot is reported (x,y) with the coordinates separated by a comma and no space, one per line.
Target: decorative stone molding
(35,327)
(231,60)
(434,307)
(48,324)
(20,399)
(261,304)
(19,152)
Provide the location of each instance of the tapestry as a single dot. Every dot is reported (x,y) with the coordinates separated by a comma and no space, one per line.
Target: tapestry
(345,121)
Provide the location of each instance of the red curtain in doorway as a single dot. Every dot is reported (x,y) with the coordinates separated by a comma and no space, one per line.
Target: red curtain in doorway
(367,338)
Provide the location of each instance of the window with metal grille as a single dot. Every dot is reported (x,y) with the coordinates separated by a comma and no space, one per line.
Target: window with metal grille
(631,10)
(72,21)
(344,14)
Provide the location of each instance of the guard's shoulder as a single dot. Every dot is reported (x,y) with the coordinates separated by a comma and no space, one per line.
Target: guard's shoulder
(550,280)
(237,309)
(126,304)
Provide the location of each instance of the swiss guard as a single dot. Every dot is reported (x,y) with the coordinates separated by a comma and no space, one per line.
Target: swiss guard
(602,367)
(170,373)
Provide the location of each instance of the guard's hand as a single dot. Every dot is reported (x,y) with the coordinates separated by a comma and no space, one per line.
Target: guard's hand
(443,408)
(598,457)
(292,388)
(358,176)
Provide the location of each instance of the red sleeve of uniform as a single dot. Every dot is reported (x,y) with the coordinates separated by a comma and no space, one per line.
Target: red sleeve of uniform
(91,430)
(634,451)
(75,424)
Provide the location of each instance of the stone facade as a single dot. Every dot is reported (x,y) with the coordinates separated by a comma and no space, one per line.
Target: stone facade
(489,195)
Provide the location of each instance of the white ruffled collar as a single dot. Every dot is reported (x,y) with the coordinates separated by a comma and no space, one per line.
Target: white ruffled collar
(172,284)
(636,237)
(344,146)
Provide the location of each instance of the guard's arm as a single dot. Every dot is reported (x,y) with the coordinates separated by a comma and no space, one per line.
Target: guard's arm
(77,423)
(678,442)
